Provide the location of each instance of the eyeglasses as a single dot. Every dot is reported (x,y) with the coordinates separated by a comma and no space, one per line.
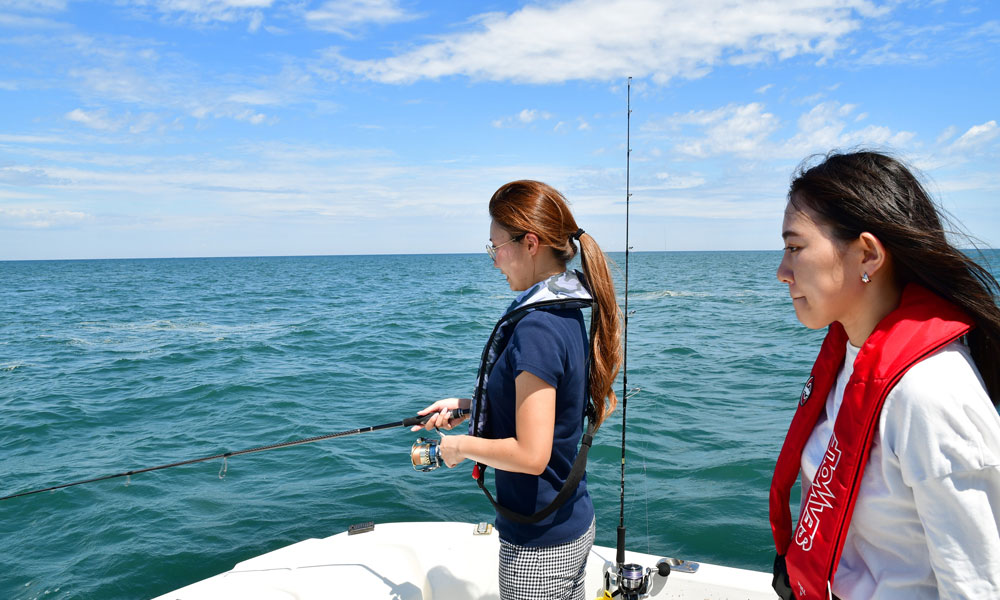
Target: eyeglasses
(492,250)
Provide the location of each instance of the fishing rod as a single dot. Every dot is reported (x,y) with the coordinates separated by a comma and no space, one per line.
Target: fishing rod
(620,555)
(632,580)
(424,454)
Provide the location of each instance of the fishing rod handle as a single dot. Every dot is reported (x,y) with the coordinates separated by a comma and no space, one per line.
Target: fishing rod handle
(420,420)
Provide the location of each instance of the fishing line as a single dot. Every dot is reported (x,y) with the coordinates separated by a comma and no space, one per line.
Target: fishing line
(408,422)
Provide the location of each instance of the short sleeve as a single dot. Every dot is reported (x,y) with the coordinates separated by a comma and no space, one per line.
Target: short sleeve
(539,348)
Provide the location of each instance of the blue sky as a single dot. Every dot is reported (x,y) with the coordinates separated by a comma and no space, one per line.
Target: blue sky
(269,127)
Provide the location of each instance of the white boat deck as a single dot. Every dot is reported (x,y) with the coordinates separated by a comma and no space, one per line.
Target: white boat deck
(432,561)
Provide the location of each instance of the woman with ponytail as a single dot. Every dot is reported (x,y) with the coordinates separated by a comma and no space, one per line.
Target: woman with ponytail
(544,385)
(895,436)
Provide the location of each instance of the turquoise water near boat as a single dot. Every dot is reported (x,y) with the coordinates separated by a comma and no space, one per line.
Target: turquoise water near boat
(112,365)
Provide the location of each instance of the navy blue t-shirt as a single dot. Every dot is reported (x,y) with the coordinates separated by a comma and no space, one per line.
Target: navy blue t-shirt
(551,345)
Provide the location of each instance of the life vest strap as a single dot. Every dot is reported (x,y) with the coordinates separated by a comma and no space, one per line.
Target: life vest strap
(569,486)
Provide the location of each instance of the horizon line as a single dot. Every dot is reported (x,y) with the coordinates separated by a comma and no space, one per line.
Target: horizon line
(386,254)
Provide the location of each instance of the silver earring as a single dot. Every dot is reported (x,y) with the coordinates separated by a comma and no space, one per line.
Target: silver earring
(865,278)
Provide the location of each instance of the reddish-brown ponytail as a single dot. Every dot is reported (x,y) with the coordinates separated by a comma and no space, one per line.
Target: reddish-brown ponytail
(534,207)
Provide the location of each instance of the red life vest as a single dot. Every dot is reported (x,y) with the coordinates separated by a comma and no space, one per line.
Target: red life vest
(922,324)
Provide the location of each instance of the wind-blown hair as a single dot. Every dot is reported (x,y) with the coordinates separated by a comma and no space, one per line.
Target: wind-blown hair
(523,207)
(868,191)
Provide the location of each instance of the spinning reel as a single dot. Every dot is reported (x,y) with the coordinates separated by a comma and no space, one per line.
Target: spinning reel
(425,454)
(635,582)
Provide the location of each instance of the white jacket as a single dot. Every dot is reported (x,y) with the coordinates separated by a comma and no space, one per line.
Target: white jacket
(927,519)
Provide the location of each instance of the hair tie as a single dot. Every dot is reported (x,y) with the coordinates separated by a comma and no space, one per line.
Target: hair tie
(576,236)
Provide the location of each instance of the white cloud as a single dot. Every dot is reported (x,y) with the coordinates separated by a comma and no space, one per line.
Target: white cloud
(344,16)
(207,11)
(606,40)
(887,54)
(529,115)
(97,119)
(130,72)
(736,129)
(671,181)
(23,22)
(904,42)
(277,182)
(31,139)
(21,176)
(824,127)
(813,98)
(39,218)
(35,6)
(947,134)
(256,20)
(751,131)
(256,97)
(102,121)
(525,117)
(976,137)
(250,116)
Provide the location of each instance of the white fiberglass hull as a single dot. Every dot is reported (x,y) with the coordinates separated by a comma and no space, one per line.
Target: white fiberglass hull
(432,561)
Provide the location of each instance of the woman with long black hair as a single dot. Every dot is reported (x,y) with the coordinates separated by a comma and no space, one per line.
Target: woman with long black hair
(896,435)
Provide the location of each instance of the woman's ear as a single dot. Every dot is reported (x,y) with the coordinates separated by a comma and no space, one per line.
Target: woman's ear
(531,243)
(873,254)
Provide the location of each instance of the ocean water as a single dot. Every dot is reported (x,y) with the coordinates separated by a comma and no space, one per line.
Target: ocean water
(114,365)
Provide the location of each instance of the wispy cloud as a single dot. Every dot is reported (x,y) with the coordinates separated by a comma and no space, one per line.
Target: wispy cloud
(976,137)
(262,181)
(6,138)
(35,6)
(39,218)
(523,118)
(672,181)
(346,16)
(22,176)
(122,82)
(209,11)
(101,121)
(900,43)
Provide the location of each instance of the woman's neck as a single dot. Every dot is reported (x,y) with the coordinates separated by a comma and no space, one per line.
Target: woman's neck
(874,305)
(546,266)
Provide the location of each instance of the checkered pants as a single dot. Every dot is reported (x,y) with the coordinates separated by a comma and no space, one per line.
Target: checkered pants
(546,573)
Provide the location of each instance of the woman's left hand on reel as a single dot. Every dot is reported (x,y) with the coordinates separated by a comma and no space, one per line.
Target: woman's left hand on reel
(441,418)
